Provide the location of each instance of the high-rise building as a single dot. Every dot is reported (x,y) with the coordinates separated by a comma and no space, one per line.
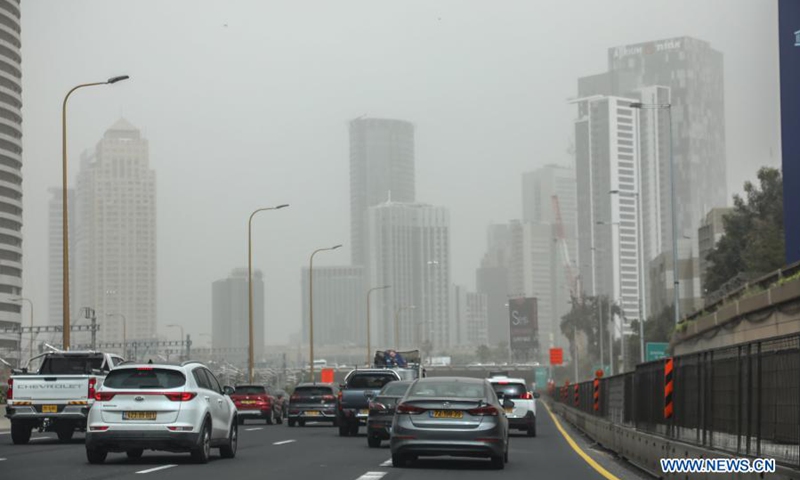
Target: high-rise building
(608,167)
(230,317)
(710,232)
(662,286)
(381,168)
(471,317)
(55,253)
(339,305)
(10,175)
(410,250)
(115,235)
(492,279)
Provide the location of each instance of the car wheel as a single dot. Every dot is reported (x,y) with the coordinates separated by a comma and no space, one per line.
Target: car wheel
(202,451)
(344,430)
(241,420)
(291,422)
(135,454)
(96,457)
(532,429)
(20,433)
(65,431)
(279,419)
(302,423)
(373,442)
(399,461)
(269,419)
(498,462)
(353,429)
(229,450)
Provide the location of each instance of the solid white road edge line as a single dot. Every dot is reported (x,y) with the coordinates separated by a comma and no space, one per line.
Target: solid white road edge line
(372,476)
(284,442)
(162,467)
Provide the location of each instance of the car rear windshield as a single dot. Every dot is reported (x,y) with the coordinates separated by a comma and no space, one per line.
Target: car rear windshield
(250,390)
(395,389)
(312,391)
(374,381)
(510,390)
(448,389)
(71,365)
(144,378)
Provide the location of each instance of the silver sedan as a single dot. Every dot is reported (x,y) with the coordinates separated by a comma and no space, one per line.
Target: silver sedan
(454,416)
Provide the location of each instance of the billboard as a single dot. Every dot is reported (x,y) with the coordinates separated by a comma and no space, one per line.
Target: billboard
(789,51)
(523,323)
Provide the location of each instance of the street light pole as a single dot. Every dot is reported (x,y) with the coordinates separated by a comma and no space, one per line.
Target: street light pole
(396,325)
(250,287)
(64,215)
(369,324)
(311,306)
(673,203)
(124,332)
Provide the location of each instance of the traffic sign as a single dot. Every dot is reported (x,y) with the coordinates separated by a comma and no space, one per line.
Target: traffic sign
(655,351)
(556,356)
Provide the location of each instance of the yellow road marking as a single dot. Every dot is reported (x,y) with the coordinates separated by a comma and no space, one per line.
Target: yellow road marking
(602,471)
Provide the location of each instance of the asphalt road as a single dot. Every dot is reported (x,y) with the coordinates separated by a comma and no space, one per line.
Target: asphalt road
(311,452)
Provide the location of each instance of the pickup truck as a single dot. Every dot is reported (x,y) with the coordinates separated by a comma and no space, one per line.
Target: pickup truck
(359,387)
(58,396)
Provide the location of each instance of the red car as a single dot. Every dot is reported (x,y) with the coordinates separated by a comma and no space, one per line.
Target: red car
(253,402)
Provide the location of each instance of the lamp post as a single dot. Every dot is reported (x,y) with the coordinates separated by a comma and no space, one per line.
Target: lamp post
(30,304)
(177,326)
(673,202)
(642,269)
(124,332)
(311,306)
(396,324)
(64,216)
(614,323)
(250,287)
(369,324)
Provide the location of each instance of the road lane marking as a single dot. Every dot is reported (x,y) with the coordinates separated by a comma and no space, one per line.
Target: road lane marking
(151,470)
(387,463)
(2,459)
(602,471)
(254,429)
(372,476)
(284,442)
(4,433)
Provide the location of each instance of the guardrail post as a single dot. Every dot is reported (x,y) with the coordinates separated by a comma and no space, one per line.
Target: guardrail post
(759,403)
(596,396)
(749,396)
(739,399)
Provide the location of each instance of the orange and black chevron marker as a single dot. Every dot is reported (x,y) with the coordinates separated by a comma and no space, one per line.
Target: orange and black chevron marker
(577,396)
(668,386)
(596,394)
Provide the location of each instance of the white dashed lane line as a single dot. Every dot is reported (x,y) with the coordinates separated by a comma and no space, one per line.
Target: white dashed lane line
(151,470)
(254,429)
(387,463)
(372,476)
(284,442)
(2,459)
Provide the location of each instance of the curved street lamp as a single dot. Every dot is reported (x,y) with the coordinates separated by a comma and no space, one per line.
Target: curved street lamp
(311,305)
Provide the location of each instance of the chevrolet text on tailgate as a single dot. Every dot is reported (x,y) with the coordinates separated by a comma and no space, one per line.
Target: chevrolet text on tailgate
(58,396)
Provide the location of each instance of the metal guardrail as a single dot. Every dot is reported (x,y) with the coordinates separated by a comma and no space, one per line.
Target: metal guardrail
(743,399)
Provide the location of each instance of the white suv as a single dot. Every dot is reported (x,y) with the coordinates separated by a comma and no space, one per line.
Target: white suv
(161,407)
(523,415)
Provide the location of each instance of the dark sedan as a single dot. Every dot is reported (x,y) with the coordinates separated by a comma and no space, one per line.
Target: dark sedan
(313,402)
(381,412)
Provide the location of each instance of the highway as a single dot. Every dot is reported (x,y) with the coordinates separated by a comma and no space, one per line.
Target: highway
(311,452)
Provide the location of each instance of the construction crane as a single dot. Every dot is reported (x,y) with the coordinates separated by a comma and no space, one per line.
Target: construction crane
(561,238)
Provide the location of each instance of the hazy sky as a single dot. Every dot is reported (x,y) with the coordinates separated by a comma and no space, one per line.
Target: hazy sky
(246,104)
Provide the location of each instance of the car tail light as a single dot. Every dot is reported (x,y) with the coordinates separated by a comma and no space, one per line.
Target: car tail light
(143,369)
(99,428)
(339,397)
(407,409)
(328,398)
(92,385)
(377,406)
(10,392)
(179,429)
(487,411)
(103,396)
(294,398)
(180,396)
(526,396)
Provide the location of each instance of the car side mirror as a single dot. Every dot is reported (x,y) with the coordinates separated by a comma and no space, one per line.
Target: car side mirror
(342,386)
(536,395)
(97,371)
(507,403)
(369,395)
(227,390)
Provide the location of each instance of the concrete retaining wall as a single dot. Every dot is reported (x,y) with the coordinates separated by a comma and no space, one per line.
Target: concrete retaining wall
(645,450)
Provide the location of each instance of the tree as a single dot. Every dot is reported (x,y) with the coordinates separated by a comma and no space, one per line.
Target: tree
(484,354)
(588,316)
(657,328)
(753,242)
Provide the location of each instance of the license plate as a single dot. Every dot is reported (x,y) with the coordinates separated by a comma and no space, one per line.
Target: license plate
(248,402)
(364,411)
(312,413)
(138,415)
(49,408)
(509,410)
(447,414)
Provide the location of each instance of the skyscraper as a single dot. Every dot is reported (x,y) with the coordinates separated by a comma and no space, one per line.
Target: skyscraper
(339,305)
(11,176)
(381,167)
(410,250)
(230,319)
(492,279)
(471,317)
(55,253)
(115,234)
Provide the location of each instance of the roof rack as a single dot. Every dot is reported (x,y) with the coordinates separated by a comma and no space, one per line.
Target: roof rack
(189,362)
